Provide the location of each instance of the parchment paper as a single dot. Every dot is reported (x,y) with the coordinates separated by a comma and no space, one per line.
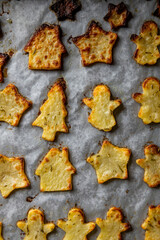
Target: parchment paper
(123,77)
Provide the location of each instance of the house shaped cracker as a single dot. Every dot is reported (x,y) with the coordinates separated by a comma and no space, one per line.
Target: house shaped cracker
(56,171)
(45,48)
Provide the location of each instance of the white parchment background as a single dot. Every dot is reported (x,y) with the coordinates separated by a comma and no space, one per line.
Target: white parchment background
(123,77)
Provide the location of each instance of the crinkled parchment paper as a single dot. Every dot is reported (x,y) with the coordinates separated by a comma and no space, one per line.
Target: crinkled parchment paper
(123,77)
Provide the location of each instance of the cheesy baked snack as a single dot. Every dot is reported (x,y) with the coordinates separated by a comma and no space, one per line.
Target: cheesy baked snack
(147,44)
(151,165)
(3,59)
(95,45)
(118,15)
(56,171)
(110,162)
(66,9)
(12,105)
(1,238)
(12,175)
(112,227)
(152,224)
(34,227)
(45,48)
(102,107)
(53,112)
(149,100)
(75,227)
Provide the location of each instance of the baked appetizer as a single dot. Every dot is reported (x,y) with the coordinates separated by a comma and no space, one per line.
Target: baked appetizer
(102,107)
(75,227)
(34,226)
(110,162)
(45,48)
(56,171)
(53,112)
(12,175)
(147,44)
(3,59)
(95,45)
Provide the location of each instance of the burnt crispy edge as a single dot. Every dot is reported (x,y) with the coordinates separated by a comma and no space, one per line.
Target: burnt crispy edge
(4,57)
(87,33)
(150,79)
(71,15)
(41,28)
(154,149)
(121,7)
(150,207)
(157,11)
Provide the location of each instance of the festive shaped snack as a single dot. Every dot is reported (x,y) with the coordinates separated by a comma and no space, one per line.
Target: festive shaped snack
(102,107)
(110,162)
(56,171)
(3,59)
(66,9)
(75,227)
(118,15)
(1,238)
(112,227)
(12,105)
(151,165)
(53,112)
(12,175)
(147,44)
(34,227)
(149,100)
(45,48)
(95,45)
(157,11)
(152,224)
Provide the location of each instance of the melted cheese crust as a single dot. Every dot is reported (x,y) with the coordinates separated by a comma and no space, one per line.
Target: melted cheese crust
(102,107)
(112,227)
(12,175)
(96,45)
(34,228)
(151,165)
(152,224)
(75,227)
(147,42)
(45,48)
(149,100)
(55,171)
(110,162)
(12,105)
(53,113)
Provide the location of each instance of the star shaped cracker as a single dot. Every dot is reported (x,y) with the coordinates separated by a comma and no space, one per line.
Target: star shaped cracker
(34,227)
(53,112)
(56,171)
(75,227)
(152,224)
(112,227)
(95,45)
(157,11)
(66,9)
(147,44)
(1,238)
(118,15)
(12,175)
(151,165)
(12,105)
(102,107)
(45,48)
(110,162)
(149,100)
(3,59)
